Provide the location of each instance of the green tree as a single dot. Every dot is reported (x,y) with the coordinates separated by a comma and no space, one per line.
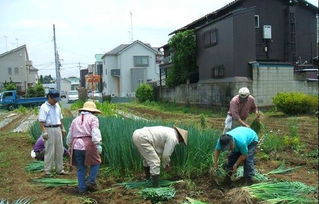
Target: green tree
(9,86)
(183,49)
(144,93)
(36,90)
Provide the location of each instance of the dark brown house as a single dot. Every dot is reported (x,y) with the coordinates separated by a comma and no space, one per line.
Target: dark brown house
(231,39)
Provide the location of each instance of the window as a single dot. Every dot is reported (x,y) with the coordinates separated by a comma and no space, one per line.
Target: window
(210,38)
(16,70)
(141,61)
(256,21)
(217,71)
(10,71)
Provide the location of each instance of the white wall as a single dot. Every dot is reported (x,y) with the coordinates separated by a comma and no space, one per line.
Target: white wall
(127,63)
(109,62)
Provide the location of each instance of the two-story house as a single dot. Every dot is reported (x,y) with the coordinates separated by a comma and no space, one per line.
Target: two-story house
(127,66)
(16,66)
(266,45)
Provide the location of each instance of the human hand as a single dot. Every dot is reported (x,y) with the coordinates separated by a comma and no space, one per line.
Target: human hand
(63,132)
(168,168)
(99,149)
(45,135)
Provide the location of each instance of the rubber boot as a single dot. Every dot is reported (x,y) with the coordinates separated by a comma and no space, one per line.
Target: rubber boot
(147,172)
(155,181)
(227,180)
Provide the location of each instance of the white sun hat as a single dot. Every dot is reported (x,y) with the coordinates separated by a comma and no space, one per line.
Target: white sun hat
(244,92)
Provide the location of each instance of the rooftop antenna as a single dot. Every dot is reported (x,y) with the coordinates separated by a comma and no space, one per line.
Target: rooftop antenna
(6,39)
(131,16)
(17,42)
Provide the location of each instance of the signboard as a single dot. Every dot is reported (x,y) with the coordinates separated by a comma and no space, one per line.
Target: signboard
(93,78)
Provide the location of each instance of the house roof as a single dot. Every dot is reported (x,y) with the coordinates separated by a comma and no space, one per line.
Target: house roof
(227,8)
(16,50)
(117,50)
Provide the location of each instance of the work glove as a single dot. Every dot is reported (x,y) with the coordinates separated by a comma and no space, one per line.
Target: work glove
(45,135)
(99,148)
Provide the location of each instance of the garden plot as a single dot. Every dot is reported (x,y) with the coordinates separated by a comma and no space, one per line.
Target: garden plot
(8,119)
(25,124)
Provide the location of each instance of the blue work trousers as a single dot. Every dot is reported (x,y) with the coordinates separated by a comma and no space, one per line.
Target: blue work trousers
(79,156)
(249,163)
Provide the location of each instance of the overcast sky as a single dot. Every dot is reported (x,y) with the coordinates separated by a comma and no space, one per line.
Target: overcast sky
(88,27)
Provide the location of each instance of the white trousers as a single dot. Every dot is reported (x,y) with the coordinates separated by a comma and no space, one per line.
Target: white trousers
(230,124)
(150,157)
(53,156)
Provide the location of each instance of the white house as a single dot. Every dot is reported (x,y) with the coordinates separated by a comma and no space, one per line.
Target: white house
(15,66)
(128,65)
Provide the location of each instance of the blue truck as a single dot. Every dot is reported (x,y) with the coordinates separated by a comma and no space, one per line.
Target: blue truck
(11,100)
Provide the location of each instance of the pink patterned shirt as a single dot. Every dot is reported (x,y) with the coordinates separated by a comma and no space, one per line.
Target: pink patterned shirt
(83,126)
(238,109)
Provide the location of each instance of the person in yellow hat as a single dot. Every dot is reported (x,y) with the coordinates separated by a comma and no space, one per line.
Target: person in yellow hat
(84,139)
(154,143)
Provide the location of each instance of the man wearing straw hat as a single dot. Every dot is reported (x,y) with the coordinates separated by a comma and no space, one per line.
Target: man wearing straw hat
(239,108)
(157,142)
(84,139)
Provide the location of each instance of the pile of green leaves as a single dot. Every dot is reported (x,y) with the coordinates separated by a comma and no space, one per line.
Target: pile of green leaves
(19,201)
(282,192)
(282,169)
(145,184)
(55,182)
(257,126)
(35,166)
(158,194)
(258,176)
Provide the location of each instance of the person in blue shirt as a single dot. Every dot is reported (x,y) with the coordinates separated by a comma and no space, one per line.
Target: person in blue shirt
(242,142)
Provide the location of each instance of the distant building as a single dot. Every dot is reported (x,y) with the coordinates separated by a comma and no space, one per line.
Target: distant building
(75,82)
(65,87)
(127,66)
(16,66)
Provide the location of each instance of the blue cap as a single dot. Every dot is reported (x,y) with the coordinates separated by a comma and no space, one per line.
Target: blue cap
(53,93)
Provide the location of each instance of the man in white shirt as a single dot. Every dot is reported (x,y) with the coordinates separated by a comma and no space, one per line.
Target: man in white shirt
(50,116)
(157,142)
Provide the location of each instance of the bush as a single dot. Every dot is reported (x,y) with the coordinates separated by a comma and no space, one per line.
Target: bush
(144,93)
(295,102)
(35,91)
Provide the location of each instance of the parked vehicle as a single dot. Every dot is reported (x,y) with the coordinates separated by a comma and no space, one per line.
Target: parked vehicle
(11,100)
(72,96)
(95,94)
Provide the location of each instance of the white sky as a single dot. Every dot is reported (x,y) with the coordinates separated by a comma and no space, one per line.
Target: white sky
(88,27)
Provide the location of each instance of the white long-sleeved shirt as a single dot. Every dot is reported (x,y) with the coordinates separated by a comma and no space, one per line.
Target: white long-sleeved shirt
(163,139)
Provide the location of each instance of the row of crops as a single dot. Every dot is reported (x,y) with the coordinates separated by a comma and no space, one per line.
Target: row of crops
(120,154)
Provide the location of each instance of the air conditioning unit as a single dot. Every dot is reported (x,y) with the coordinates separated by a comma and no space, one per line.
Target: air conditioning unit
(267,32)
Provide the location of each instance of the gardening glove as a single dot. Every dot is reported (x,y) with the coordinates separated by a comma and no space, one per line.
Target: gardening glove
(99,148)
(45,135)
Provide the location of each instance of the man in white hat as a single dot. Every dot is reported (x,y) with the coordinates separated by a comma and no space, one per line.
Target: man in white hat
(239,108)
(157,142)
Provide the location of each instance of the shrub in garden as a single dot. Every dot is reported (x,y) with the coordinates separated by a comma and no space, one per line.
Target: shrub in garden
(295,102)
(144,93)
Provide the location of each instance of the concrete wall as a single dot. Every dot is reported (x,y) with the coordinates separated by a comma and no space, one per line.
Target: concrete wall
(268,80)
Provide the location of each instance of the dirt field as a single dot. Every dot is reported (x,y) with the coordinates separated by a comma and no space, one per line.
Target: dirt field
(15,154)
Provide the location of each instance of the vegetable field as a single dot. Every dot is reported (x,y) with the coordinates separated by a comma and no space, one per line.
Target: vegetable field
(286,161)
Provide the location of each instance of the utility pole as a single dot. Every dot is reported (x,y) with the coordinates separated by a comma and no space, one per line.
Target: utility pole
(131,15)
(57,63)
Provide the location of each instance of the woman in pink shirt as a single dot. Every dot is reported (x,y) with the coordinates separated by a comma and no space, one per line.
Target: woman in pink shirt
(84,140)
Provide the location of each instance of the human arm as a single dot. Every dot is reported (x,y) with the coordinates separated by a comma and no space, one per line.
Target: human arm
(168,150)
(239,161)
(216,157)
(96,134)
(234,111)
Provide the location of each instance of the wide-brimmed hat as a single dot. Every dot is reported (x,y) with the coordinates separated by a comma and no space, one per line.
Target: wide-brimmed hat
(183,133)
(90,107)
